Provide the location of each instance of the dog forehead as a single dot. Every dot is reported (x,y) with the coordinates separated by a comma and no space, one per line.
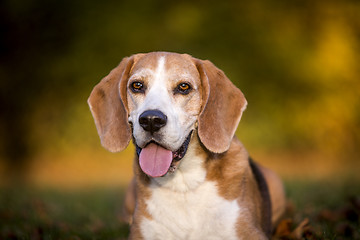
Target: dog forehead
(173,64)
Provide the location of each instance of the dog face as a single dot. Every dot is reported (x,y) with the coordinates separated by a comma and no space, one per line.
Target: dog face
(159,99)
(164,99)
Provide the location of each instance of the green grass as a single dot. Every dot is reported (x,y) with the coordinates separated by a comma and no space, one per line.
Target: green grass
(332,207)
(50,214)
(30,213)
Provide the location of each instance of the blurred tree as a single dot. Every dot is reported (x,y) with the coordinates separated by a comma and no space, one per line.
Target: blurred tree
(296,61)
(33,34)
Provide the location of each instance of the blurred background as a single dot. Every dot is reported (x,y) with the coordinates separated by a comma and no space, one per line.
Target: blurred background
(297,62)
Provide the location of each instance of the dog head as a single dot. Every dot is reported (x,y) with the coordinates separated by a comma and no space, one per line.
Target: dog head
(159,99)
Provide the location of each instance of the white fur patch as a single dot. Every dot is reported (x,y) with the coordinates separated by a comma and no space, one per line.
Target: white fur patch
(197,214)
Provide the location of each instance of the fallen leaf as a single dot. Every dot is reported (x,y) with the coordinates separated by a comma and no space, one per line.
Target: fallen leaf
(300,229)
(283,228)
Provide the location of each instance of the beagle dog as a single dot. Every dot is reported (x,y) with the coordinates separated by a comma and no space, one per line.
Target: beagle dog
(193,177)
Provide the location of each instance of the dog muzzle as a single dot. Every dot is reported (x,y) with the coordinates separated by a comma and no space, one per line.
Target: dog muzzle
(157,161)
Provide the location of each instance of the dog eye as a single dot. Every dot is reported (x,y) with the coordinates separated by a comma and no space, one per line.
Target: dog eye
(183,88)
(137,87)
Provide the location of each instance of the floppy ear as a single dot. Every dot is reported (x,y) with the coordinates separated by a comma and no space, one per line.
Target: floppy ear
(223,105)
(108,108)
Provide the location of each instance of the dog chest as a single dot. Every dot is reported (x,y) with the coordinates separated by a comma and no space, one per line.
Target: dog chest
(197,214)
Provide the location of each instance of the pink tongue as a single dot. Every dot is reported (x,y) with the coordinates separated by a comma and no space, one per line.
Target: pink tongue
(154,160)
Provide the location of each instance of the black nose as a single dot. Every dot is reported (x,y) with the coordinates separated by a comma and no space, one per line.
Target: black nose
(152,120)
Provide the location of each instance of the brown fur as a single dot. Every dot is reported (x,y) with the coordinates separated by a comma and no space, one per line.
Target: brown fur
(235,180)
(108,111)
(217,123)
(142,194)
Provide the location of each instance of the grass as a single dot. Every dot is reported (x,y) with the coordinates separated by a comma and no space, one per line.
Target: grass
(331,206)
(33,213)
(54,214)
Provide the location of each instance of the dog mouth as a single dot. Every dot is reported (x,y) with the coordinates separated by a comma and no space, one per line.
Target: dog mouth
(157,161)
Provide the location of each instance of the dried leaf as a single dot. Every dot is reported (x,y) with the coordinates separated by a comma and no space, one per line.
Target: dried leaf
(300,229)
(283,228)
